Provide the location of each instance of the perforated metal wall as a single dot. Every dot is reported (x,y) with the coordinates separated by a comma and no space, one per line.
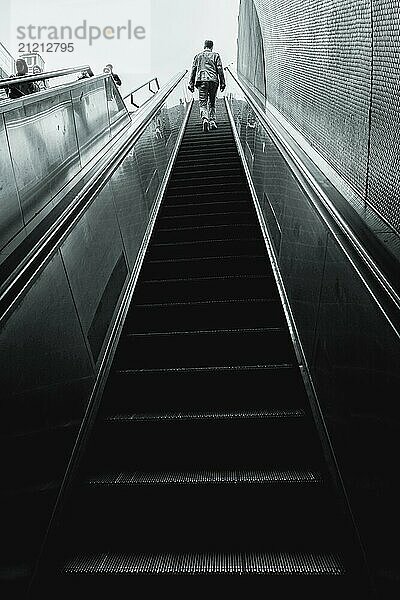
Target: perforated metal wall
(251,47)
(384,171)
(332,70)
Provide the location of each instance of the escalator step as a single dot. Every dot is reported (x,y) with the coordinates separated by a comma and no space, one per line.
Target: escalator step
(208,205)
(221,180)
(216,155)
(201,289)
(202,389)
(191,316)
(205,248)
(265,563)
(207,266)
(195,196)
(205,348)
(206,477)
(208,369)
(226,169)
(210,415)
(203,232)
(198,164)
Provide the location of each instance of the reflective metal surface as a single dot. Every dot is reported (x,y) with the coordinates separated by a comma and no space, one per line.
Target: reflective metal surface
(51,135)
(44,150)
(352,349)
(45,371)
(91,118)
(10,210)
(96,267)
(53,337)
(131,208)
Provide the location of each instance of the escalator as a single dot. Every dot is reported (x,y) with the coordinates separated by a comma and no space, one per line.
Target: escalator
(204,470)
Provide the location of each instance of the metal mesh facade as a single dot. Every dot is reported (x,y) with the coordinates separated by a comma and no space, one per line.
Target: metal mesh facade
(251,47)
(332,70)
(384,171)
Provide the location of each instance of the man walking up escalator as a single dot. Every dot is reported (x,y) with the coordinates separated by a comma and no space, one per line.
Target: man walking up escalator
(207,73)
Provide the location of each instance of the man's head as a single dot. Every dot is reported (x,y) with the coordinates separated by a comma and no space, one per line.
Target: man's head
(21,66)
(109,67)
(36,70)
(209,44)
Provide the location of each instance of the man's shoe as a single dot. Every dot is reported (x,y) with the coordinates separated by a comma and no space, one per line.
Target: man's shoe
(205,125)
(213,125)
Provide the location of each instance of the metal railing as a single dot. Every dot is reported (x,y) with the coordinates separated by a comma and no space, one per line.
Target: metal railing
(133,92)
(11,81)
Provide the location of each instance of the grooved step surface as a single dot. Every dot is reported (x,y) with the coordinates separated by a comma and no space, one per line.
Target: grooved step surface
(255,563)
(224,368)
(204,477)
(211,415)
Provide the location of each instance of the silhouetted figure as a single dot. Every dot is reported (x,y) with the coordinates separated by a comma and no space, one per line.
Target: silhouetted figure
(109,69)
(207,73)
(42,84)
(85,75)
(18,90)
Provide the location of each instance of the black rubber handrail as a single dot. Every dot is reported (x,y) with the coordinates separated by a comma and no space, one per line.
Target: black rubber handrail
(41,76)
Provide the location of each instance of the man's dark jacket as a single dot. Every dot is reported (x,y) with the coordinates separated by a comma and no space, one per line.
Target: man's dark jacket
(207,66)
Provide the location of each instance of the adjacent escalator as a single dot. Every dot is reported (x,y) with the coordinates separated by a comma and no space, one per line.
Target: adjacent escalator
(205,463)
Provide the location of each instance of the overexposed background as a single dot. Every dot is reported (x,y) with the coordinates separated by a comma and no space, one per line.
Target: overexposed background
(176,30)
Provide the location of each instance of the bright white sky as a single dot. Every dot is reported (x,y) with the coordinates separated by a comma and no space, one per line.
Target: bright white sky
(175,32)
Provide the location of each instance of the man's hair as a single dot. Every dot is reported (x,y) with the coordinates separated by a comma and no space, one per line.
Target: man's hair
(208,44)
(21,66)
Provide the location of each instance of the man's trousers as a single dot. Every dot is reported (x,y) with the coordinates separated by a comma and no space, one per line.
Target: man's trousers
(207,97)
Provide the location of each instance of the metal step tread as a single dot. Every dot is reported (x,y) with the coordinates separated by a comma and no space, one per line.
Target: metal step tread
(183,204)
(208,369)
(207,193)
(208,278)
(198,242)
(202,258)
(208,302)
(184,165)
(228,146)
(206,171)
(205,185)
(235,331)
(202,215)
(202,227)
(211,175)
(207,477)
(218,563)
(212,415)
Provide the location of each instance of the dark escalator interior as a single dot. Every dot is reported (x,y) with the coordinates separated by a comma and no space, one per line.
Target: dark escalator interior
(204,459)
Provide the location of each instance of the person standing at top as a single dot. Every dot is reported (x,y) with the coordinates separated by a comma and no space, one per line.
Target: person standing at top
(109,69)
(207,73)
(18,90)
(41,83)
